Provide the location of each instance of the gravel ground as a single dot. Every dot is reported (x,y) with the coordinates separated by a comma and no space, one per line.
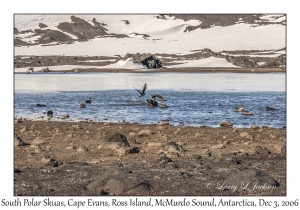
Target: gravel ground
(64,158)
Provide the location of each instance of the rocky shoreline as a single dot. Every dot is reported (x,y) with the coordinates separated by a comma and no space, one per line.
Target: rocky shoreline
(54,158)
(243,60)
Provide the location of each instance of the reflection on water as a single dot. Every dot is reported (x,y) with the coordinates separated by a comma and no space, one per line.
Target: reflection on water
(195,99)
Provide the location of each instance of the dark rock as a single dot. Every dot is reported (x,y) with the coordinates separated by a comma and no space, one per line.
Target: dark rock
(117,137)
(116,181)
(41,105)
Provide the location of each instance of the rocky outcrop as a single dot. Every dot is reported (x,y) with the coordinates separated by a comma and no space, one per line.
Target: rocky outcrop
(241,61)
(42,25)
(211,20)
(82,29)
(146,59)
(48,36)
(16,31)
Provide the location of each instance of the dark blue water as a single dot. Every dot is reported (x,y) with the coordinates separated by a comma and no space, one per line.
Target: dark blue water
(193,108)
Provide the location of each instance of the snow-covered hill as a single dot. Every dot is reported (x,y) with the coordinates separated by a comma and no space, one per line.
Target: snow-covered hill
(260,38)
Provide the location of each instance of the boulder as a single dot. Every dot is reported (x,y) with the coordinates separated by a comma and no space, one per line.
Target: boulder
(116,142)
(117,181)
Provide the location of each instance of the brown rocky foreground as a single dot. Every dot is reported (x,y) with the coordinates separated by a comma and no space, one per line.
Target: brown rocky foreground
(96,158)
